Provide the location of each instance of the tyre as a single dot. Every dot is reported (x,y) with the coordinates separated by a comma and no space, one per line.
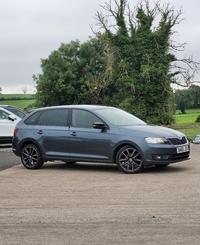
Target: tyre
(31,157)
(129,160)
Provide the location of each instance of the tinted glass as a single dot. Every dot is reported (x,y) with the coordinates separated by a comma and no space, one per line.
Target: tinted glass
(56,117)
(41,118)
(83,119)
(3,115)
(32,119)
(17,112)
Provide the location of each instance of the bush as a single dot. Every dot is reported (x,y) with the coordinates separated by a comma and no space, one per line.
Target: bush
(198,119)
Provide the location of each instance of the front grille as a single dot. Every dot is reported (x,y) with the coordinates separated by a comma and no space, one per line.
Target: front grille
(177,141)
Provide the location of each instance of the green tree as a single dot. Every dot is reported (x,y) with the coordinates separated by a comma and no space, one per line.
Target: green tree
(194,96)
(0,90)
(143,57)
(58,82)
(130,64)
(186,98)
(75,73)
(181,100)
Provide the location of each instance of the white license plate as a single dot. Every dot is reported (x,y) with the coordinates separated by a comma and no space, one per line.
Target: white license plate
(182,149)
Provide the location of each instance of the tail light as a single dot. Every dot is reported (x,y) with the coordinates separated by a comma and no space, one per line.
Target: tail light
(15,131)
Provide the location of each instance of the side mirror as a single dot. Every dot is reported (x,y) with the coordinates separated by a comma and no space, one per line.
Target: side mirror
(99,125)
(10,117)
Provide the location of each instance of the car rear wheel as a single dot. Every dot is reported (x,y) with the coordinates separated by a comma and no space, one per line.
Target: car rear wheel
(31,157)
(129,160)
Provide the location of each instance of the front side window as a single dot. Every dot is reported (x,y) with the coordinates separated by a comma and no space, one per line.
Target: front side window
(83,119)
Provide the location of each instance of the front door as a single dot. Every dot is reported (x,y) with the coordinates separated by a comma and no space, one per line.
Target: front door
(86,142)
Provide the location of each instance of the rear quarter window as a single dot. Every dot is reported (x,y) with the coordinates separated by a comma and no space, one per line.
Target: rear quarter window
(32,119)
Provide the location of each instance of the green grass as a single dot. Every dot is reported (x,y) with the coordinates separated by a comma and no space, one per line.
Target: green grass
(186,119)
(19,100)
(186,124)
(10,96)
(18,103)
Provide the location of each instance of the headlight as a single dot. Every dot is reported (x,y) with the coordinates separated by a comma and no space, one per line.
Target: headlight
(152,140)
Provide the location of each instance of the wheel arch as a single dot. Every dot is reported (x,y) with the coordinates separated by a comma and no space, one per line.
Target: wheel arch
(30,141)
(122,144)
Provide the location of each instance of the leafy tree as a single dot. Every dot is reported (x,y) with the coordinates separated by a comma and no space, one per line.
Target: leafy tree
(144,56)
(0,90)
(187,98)
(181,100)
(130,64)
(75,73)
(194,96)
(58,83)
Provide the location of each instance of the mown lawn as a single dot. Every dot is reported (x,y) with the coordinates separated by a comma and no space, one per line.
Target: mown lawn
(19,100)
(186,122)
(18,103)
(22,96)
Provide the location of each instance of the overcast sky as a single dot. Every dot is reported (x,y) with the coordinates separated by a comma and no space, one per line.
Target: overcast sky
(32,29)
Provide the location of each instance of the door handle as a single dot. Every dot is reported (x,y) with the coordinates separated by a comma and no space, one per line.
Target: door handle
(40,132)
(73,134)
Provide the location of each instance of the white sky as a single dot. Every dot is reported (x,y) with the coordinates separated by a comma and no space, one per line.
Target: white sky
(32,29)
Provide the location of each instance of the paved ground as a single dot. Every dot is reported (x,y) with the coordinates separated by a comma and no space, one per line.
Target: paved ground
(98,204)
(7,158)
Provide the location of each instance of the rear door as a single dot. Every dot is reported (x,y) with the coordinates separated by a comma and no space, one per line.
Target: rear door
(51,132)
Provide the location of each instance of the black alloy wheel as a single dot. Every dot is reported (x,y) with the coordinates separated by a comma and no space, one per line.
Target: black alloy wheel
(129,160)
(31,157)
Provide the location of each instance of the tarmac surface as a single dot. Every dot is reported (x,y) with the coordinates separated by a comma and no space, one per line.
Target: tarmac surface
(97,204)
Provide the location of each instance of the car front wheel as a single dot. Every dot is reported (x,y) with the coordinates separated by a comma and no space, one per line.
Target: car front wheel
(31,157)
(129,160)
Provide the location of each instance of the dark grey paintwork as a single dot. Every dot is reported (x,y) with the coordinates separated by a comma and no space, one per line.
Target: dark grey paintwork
(69,143)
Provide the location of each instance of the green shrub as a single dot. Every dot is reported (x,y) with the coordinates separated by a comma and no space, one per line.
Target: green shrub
(198,119)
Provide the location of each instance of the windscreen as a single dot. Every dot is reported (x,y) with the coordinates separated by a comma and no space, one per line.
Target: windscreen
(119,117)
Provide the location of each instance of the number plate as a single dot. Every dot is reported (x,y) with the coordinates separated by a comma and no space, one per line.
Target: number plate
(182,149)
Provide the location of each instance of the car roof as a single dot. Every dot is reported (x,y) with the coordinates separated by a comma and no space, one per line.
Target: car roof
(8,106)
(89,107)
(9,109)
(11,106)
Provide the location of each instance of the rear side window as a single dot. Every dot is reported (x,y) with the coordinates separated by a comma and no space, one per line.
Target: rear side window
(54,117)
(57,117)
(32,119)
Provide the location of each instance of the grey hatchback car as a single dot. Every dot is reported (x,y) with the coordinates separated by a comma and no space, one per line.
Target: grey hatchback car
(91,133)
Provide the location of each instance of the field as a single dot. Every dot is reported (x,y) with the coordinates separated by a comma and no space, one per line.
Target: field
(21,96)
(19,100)
(186,122)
